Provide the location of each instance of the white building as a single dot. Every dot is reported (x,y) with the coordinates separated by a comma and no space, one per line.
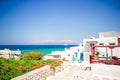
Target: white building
(105,39)
(6,53)
(82,52)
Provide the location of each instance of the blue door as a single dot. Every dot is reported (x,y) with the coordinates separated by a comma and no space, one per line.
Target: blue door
(81,57)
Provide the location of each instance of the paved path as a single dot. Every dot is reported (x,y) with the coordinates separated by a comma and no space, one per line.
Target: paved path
(73,71)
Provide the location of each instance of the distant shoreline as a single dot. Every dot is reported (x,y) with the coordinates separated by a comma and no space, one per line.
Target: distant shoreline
(45,49)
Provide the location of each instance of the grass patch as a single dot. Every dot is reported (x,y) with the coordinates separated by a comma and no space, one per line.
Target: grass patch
(12,68)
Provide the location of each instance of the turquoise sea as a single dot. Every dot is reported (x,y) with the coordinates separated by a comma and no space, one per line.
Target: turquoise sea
(45,49)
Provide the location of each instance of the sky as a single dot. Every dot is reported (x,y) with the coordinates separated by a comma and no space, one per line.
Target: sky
(56,21)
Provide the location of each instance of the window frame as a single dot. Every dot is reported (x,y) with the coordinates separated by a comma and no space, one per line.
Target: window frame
(112,44)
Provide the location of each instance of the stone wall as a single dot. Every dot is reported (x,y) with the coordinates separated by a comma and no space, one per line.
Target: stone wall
(39,74)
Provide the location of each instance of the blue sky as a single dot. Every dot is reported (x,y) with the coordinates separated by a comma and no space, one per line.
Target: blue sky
(56,21)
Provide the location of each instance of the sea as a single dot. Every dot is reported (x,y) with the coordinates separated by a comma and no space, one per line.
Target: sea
(45,49)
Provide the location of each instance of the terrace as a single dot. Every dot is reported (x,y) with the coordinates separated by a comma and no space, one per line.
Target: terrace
(107,58)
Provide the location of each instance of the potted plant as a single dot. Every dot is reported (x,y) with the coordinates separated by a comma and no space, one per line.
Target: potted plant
(96,57)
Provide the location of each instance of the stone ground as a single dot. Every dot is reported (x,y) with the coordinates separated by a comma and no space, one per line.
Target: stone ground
(73,71)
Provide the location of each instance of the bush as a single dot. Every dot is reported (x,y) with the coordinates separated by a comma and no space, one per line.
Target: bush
(55,64)
(32,56)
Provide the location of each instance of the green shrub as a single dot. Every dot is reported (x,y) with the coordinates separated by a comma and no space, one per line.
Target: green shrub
(32,56)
